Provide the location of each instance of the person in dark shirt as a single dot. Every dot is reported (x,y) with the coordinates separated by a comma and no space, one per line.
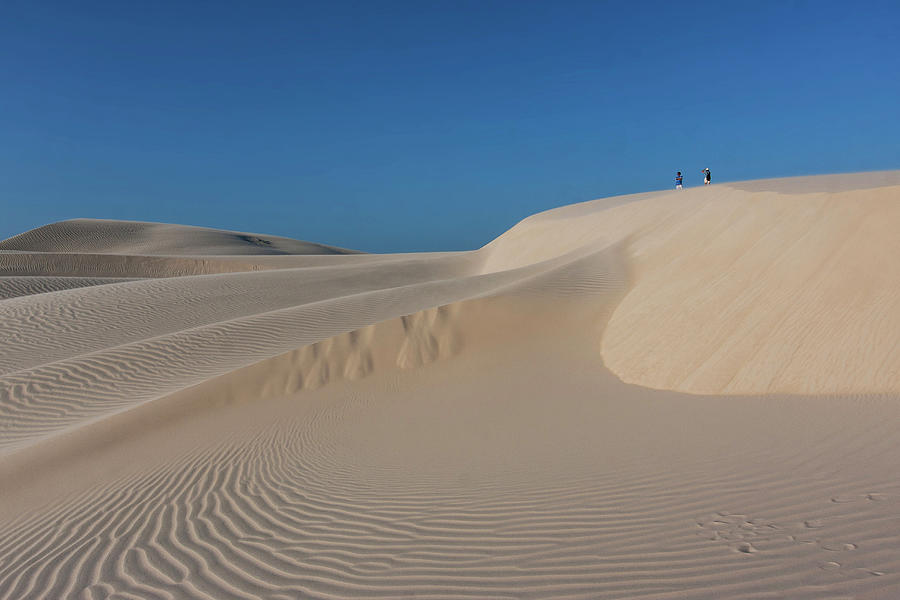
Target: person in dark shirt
(706,176)
(678,180)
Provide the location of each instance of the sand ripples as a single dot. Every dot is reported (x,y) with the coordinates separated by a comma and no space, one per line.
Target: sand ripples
(281,515)
(264,418)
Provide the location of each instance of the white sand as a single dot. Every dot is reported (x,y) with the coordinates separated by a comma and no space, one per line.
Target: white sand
(669,395)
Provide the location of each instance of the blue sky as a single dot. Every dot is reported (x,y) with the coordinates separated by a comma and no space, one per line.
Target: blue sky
(416,126)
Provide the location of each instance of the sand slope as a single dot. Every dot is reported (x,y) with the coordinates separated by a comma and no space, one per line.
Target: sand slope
(99,236)
(666,395)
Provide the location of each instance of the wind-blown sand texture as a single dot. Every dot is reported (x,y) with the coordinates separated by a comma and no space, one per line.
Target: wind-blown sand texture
(685,394)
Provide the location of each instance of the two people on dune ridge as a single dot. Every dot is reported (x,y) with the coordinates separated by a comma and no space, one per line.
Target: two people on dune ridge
(679,178)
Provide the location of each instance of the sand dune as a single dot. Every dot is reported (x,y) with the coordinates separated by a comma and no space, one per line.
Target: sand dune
(99,236)
(665,395)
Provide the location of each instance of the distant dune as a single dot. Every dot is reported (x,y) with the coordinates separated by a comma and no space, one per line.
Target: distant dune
(100,236)
(687,394)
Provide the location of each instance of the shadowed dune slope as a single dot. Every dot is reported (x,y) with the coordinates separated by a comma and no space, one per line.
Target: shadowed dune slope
(666,395)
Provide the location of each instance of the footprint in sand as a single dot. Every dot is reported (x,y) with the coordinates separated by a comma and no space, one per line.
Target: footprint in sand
(837,546)
(742,534)
(845,499)
(872,497)
(752,535)
(801,539)
(814,524)
(834,566)
(745,547)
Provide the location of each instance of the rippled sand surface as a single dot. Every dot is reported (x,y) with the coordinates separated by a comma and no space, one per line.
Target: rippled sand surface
(668,395)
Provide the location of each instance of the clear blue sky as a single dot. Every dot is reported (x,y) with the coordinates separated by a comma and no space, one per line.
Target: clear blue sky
(425,125)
